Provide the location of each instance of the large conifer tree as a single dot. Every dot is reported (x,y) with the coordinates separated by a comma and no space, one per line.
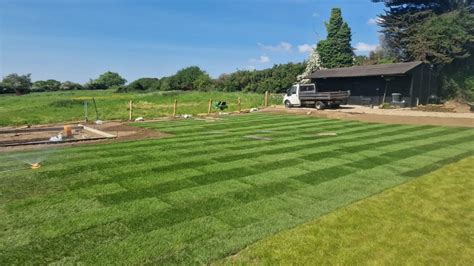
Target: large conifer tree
(336,50)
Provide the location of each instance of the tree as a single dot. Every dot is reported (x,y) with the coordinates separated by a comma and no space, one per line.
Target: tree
(48,85)
(276,79)
(68,86)
(142,84)
(336,50)
(314,64)
(402,23)
(95,85)
(105,81)
(185,78)
(20,84)
(437,32)
(204,83)
(442,39)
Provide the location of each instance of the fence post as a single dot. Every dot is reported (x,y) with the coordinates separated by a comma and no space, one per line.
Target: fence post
(175,106)
(130,110)
(238,104)
(209,107)
(85,112)
(266,99)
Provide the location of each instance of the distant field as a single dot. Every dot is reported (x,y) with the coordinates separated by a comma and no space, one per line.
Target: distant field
(208,191)
(52,107)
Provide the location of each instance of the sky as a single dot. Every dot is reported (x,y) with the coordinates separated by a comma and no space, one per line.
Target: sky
(77,40)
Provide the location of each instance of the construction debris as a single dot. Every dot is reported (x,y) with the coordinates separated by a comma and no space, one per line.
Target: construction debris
(139,119)
(57,138)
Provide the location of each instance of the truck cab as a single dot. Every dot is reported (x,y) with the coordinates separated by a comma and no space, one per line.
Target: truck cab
(307,95)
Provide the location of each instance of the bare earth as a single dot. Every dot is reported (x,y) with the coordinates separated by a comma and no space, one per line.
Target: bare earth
(388,116)
(122,130)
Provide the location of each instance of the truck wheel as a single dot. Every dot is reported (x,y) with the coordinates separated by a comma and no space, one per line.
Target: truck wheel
(320,105)
(288,104)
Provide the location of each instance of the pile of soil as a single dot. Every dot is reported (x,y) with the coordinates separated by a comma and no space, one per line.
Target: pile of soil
(435,108)
(458,106)
(452,106)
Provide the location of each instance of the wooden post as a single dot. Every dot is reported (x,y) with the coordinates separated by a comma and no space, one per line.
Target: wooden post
(175,106)
(95,107)
(266,99)
(209,107)
(130,111)
(238,104)
(85,112)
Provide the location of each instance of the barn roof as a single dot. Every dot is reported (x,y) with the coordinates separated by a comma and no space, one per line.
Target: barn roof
(362,71)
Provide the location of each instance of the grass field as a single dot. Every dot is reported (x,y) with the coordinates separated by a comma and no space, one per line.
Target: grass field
(69,106)
(208,191)
(428,221)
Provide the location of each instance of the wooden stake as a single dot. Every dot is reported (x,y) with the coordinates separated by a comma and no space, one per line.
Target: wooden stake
(85,112)
(130,111)
(175,107)
(95,107)
(209,107)
(238,104)
(265,104)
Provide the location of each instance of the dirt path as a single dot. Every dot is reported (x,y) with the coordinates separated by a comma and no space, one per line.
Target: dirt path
(391,116)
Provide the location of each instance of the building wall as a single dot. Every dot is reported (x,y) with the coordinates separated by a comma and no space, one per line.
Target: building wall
(424,84)
(363,88)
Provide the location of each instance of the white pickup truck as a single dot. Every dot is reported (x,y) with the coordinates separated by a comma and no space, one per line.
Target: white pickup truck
(307,95)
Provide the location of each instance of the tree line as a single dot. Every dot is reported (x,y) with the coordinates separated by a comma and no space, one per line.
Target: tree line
(275,79)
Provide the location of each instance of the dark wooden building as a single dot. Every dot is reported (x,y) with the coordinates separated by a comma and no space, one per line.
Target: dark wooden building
(412,80)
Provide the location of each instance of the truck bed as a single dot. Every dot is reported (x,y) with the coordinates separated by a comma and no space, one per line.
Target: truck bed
(326,96)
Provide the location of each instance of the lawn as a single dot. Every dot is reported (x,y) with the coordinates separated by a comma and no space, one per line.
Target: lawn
(428,221)
(208,191)
(69,106)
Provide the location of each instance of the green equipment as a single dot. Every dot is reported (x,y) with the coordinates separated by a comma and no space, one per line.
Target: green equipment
(220,105)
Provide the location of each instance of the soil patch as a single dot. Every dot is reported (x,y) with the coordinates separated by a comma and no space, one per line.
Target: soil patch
(123,131)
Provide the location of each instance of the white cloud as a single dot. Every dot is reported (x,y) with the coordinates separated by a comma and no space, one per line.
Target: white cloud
(281,47)
(374,21)
(315,15)
(306,48)
(261,60)
(250,67)
(365,47)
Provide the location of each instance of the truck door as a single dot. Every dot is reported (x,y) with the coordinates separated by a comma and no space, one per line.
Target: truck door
(293,96)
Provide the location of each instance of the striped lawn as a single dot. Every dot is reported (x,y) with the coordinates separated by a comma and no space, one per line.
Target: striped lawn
(209,190)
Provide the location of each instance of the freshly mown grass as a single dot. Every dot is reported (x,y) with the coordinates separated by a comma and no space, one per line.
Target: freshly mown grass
(69,105)
(208,191)
(427,221)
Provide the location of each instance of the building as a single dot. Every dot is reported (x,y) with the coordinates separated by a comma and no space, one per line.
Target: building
(368,84)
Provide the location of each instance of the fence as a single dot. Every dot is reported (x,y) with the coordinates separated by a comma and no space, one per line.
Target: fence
(149,107)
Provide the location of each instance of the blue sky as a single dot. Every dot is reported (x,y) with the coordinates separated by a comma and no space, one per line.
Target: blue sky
(80,39)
